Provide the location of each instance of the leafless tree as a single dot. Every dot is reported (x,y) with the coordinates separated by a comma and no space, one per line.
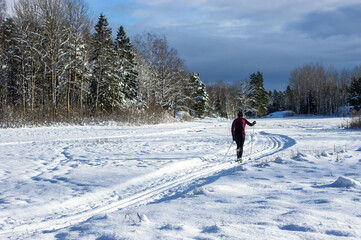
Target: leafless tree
(316,90)
(161,72)
(244,96)
(77,29)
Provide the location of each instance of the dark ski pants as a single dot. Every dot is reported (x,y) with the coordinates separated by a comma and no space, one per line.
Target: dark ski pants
(240,142)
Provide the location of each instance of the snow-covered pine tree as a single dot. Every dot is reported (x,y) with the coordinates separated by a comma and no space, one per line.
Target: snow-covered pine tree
(217,106)
(126,61)
(354,90)
(200,96)
(259,94)
(275,101)
(106,85)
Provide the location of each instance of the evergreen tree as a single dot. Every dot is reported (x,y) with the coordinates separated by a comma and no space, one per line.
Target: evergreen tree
(258,95)
(200,96)
(218,107)
(270,102)
(354,90)
(106,86)
(275,101)
(126,62)
(289,101)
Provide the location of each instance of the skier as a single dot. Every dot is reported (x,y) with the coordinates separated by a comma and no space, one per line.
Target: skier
(239,133)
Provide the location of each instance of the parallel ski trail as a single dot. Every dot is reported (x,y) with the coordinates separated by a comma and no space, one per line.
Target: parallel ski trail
(124,136)
(162,187)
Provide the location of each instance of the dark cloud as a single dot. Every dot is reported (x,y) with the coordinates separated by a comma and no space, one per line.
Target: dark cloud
(229,40)
(342,21)
(234,59)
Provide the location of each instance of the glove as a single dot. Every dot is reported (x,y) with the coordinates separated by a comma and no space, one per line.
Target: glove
(254,123)
(234,138)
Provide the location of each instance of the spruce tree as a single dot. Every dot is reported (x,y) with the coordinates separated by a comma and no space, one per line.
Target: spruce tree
(354,90)
(289,100)
(200,96)
(106,86)
(259,94)
(275,101)
(126,62)
(217,106)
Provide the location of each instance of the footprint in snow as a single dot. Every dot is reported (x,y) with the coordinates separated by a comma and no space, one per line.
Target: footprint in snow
(171,227)
(297,228)
(211,229)
(316,201)
(338,233)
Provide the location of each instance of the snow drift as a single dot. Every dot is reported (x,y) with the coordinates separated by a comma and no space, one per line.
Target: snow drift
(345,182)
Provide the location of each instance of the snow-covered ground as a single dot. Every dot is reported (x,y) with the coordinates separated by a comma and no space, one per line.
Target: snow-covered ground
(301,180)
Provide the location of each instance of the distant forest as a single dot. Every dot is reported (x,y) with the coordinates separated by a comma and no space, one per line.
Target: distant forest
(56,65)
(312,89)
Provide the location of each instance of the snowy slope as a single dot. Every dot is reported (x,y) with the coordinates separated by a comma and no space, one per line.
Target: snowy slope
(174,181)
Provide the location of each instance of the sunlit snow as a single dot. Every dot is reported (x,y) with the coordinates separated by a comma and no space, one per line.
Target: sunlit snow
(300,180)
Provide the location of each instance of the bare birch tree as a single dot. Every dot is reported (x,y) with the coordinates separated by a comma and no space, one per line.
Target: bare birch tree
(161,72)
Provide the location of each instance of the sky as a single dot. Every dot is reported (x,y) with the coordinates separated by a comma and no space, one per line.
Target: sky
(230,39)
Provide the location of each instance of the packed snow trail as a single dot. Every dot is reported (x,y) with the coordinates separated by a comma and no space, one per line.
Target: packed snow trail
(84,201)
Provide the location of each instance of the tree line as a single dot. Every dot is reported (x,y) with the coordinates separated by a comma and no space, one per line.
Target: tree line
(56,64)
(247,95)
(312,89)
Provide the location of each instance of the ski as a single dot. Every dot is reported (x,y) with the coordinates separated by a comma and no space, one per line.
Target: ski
(242,164)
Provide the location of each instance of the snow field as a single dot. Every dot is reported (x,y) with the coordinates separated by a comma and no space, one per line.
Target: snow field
(173,181)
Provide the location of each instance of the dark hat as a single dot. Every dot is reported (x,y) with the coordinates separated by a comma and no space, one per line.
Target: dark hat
(240,114)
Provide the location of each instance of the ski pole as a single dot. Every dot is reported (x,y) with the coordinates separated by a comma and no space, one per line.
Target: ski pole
(251,143)
(228,150)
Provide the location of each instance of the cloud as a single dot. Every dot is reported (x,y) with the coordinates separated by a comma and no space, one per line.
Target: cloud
(229,40)
(323,24)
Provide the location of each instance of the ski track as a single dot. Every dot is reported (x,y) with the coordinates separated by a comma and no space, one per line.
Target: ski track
(161,184)
(173,132)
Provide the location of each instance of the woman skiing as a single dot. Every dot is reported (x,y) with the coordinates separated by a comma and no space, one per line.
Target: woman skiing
(239,133)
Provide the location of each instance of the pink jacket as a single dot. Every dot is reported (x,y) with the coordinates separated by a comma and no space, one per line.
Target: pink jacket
(239,126)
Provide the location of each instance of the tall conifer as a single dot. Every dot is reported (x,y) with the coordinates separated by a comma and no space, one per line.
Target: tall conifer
(126,62)
(355,93)
(259,94)
(106,86)
(200,96)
